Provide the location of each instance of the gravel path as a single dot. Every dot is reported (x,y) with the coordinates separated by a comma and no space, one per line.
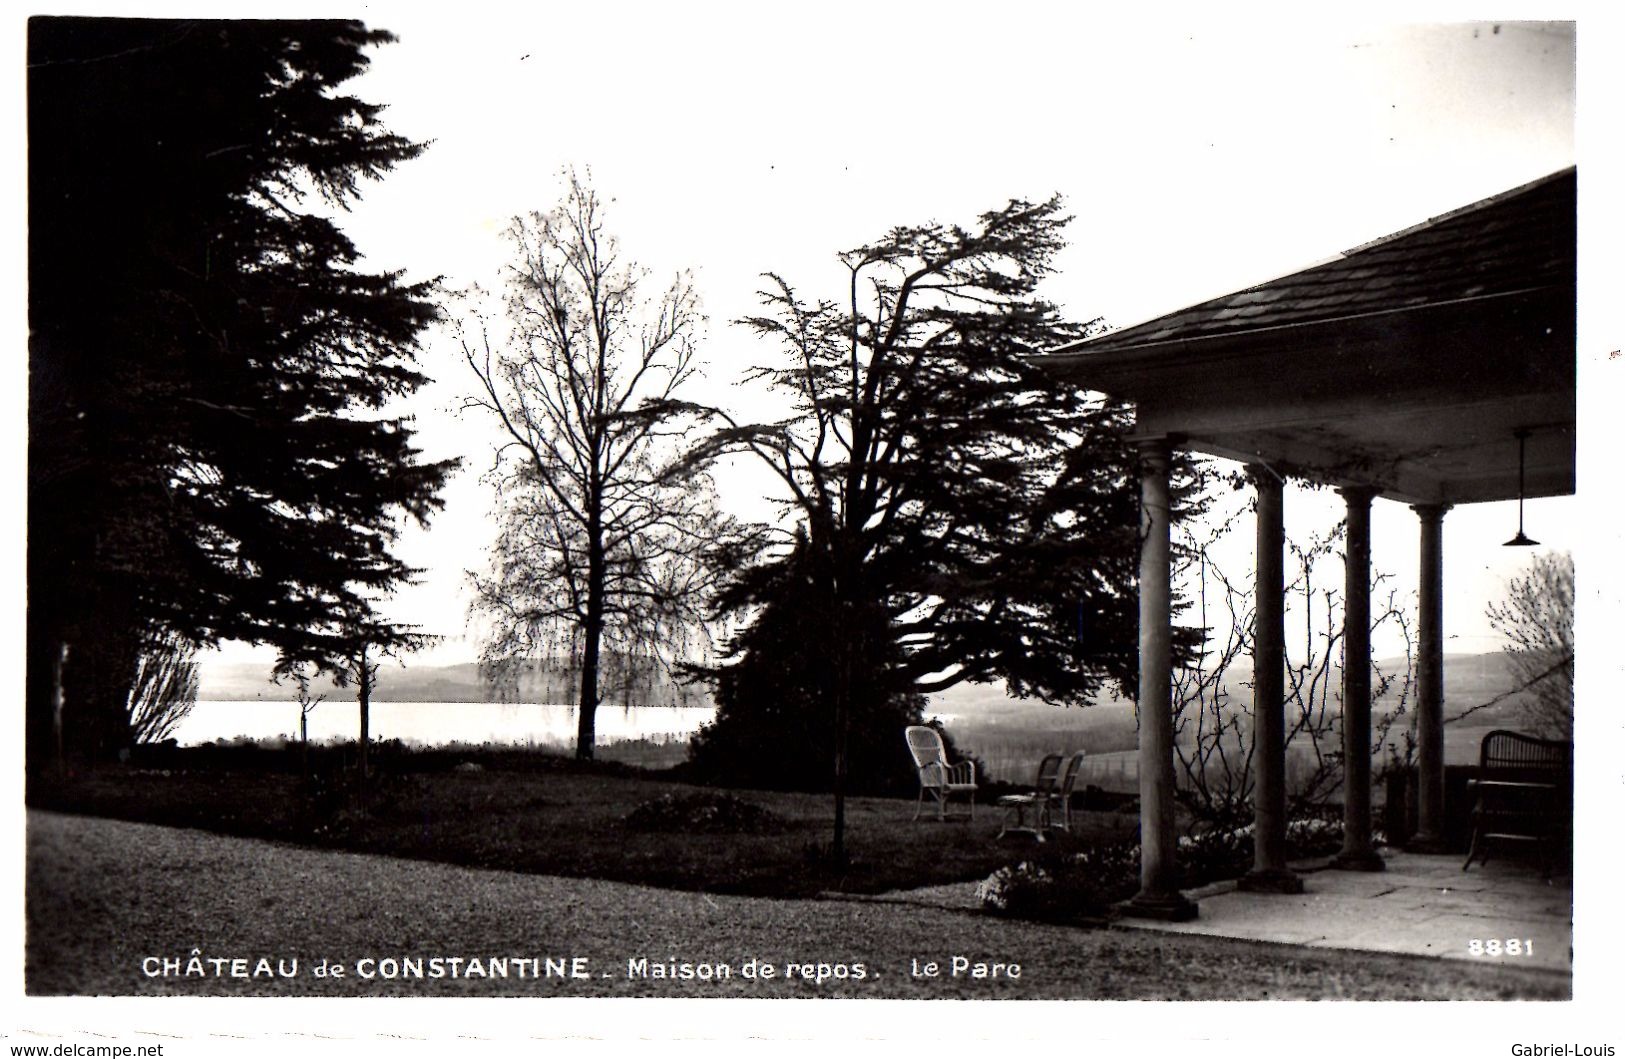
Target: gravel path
(109,902)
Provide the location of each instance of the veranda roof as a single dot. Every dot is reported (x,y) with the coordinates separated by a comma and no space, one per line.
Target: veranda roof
(1405,364)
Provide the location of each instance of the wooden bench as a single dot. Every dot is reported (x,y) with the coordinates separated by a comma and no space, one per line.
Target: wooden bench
(1523,794)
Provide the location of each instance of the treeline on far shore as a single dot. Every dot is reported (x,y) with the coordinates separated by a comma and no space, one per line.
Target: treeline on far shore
(462,682)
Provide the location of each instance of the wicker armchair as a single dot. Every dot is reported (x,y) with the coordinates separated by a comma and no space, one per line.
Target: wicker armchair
(938,778)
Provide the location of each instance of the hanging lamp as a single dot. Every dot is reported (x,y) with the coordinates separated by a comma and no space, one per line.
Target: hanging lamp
(1520,541)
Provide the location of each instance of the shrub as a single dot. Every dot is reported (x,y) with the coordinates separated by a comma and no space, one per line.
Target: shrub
(1312,836)
(1079,889)
(703,813)
(336,802)
(1083,887)
(1212,855)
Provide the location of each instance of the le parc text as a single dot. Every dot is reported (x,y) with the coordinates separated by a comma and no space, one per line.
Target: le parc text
(963,967)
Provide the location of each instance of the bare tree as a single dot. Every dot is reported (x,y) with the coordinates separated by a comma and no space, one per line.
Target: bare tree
(308,701)
(1213,725)
(165,686)
(1537,619)
(355,660)
(598,553)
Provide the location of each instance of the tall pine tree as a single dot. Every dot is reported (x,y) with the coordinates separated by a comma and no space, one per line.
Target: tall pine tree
(211,448)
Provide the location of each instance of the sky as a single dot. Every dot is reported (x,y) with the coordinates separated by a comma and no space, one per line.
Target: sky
(1196,157)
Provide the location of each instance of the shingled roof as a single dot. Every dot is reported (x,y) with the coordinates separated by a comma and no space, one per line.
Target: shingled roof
(1517,241)
(1410,365)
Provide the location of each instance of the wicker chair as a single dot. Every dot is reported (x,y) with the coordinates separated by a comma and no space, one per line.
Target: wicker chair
(1016,806)
(1058,812)
(938,778)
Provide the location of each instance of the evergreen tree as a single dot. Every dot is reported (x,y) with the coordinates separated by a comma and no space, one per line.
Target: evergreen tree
(957,502)
(211,451)
(773,728)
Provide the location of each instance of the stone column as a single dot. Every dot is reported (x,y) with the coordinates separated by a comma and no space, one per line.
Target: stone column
(1430,837)
(1159,895)
(1270,873)
(1357,854)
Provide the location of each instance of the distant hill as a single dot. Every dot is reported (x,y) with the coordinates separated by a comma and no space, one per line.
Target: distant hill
(1469,679)
(461,682)
(1010,735)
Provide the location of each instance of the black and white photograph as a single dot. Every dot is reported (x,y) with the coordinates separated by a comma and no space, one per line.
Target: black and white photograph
(814,522)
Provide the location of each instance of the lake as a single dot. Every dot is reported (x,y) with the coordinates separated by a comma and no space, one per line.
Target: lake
(433,723)
(1009,752)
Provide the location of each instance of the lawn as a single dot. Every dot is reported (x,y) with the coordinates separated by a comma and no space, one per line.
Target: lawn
(108,902)
(543,814)
(517,840)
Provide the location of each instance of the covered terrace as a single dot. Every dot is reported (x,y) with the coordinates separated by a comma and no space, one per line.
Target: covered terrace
(1433,367)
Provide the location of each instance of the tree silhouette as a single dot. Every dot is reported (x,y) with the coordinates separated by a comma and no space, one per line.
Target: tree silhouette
(308,701)
(164,688)
(773,727)
(952,497)
(211,450)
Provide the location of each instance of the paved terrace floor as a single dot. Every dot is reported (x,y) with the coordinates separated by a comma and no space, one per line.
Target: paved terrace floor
(1421,905)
